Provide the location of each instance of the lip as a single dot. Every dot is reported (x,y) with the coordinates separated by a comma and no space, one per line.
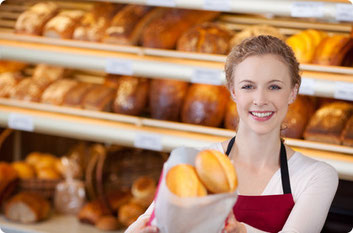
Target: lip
(265,118)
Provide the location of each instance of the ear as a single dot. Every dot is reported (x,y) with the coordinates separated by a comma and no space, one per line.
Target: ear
(232,94)
(293,94)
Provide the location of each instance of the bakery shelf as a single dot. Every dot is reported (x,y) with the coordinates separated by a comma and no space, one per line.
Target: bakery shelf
(55,224)
(129,131)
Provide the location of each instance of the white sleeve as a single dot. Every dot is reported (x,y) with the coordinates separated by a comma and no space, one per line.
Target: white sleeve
(140,223)
(311,207)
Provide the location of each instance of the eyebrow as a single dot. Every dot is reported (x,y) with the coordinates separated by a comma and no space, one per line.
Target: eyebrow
(249,81)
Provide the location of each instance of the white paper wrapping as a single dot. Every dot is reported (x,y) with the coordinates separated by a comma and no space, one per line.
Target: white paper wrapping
(190,215)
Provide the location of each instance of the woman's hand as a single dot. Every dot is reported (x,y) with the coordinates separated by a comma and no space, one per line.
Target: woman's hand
(233,226)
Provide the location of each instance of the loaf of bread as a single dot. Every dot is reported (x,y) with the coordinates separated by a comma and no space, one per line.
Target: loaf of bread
(74,98)
(63,25)
(164,31)
(129,212)
(95,22)
(206,38)
(305,43)
(327,123)
(127,25)
(167,98)
(231,119)
(131,95)
(56,92)
(333,49)
(99,98)
(8,81)
(92,211)
(26,207)
(255,30)
(205,105)
(27,90)
(297,117)
(45,74)
(32,21)
(347,133)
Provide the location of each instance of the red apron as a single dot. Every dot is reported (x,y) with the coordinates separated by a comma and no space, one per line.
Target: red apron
(267,213)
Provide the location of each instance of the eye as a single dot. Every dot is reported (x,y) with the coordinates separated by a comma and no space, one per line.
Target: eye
(275,87)
(247,87)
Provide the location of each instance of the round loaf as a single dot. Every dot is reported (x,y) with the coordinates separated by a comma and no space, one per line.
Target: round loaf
(143,190)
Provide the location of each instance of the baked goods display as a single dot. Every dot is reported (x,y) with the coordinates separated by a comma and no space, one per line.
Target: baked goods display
(75,97)
(33,20)
(327,123)
(8,81)
(26,207)
(99,98)
(44,74)
(56,92)
(27,90)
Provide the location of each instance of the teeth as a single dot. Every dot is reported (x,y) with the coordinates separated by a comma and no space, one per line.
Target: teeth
(258,114)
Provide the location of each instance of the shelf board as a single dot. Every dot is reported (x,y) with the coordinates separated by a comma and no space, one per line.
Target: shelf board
(126,130)
(55,224)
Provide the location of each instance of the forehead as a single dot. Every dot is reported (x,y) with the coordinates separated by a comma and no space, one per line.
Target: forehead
(262,68)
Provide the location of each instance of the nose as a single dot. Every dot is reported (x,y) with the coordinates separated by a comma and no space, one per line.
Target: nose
(260,98)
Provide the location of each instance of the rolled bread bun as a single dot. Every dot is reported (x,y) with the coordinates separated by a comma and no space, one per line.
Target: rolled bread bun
(182,180)
(216,171)
(143,190)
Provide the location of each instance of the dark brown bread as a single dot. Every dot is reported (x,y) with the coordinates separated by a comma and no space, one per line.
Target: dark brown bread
(167,98)
(205,105)
(131,95)
(99,98)
(328,122)
(75,97)
(347,133)
(206,38)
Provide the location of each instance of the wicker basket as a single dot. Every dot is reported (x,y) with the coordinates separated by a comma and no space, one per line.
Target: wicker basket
(45,188)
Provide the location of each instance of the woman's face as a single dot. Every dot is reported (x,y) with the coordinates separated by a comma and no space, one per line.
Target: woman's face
(262,91)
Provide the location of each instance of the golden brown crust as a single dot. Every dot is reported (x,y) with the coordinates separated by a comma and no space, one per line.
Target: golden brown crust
(99,98)
(347,133)
(167,98)
(75,97)
(205,105)
(92,212)
(44,74)
(131,95)
(328,122)
(8,82)
(128,213)
(27,90)
(55,93)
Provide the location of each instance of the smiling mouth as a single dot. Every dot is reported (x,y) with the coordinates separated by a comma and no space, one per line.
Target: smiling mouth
(261,114)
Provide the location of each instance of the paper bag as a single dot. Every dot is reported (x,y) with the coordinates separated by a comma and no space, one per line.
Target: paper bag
(174,214)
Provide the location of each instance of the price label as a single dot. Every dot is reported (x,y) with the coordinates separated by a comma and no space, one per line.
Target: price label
(170,3)
(207,76)
(307,9)
(344,91)
(307,86)
(117,66)
(20,122)
(217,5)
(344,12)
(148,141)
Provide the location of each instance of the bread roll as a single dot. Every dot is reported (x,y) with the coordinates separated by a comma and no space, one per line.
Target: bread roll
(131,95)
(75,97)
(48,173)
(27,90)
(183,181)
(231,118)
(95,22)
(347,133)
(328,122)
(27,207)
(107,223)
(8,82)
(63,25)
(166,99)
(24,170)
(206,38)
(129,213)
(127,25)
(45,74)
(99,98)
(205,105)
(216,171)
(92,212)
(164,31)
(57,91)
(143,190)
(32,21)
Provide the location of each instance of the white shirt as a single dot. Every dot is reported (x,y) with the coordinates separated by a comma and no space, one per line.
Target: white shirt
(313,183)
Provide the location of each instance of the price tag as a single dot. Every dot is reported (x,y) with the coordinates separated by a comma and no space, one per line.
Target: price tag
(217,5)
(307,86)
(344,12)
(344,91)
(117,66)
(170,3)
(307,9)
(20,122)
(148,141)
(207,76)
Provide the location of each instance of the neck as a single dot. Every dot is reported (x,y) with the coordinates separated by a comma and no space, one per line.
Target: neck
(258,150)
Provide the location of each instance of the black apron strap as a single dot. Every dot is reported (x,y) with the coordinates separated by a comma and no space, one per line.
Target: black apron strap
(283,165)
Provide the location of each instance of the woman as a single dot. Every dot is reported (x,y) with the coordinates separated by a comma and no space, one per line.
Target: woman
(280,190)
